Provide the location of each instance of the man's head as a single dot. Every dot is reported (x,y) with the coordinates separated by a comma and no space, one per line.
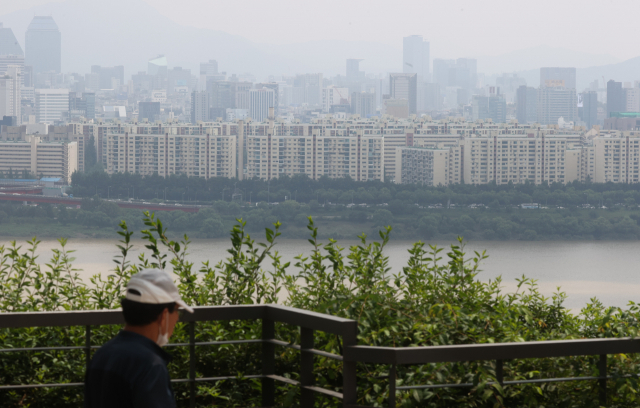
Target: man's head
(150,306)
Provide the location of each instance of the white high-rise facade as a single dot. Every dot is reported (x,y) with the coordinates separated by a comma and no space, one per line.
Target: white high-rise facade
(415,57)
(51,104)
(10,92)
(260,100)
(334,96)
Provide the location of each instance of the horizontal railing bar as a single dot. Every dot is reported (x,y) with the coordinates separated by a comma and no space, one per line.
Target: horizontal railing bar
(27,386)
(205,379)
(282,379)
(323,354)
(46,348)
(216,343)
(324,391)
(490,351)
(311,320)
(282,343)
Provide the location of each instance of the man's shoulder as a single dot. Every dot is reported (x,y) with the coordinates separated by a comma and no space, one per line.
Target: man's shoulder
(130,347)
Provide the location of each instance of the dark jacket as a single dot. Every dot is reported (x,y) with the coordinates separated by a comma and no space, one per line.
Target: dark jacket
(130,371)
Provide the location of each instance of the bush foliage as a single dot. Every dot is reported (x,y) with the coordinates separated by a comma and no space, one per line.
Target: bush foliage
(437,299)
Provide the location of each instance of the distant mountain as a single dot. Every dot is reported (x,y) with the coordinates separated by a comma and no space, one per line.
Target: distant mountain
(542,56)
(129,32)
(628,70)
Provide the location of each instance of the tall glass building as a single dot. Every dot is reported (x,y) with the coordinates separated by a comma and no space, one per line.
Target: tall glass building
(43,47)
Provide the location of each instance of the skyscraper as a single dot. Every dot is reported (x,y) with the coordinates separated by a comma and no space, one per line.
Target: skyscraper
(353,70)
(199,107)
(149,111)
(616,98)
(8,43)
(274,86)
(10,85)
(209,68)
(554,103)
(107,75)
(260,100)
(405,86)
(363,104)
(415,57)
(526,104)
(590,108)
(43,45)
(551,77)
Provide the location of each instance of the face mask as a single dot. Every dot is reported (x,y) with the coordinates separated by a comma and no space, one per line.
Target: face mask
(163,339)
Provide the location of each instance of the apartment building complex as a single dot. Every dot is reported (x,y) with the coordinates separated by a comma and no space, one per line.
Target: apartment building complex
(43,159)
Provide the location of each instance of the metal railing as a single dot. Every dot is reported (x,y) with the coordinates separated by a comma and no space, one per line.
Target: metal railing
(309,322)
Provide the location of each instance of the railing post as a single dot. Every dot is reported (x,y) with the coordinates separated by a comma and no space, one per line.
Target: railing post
(87,347)
(349,375)
(192,364)
(392,386)
(268,363)
(306,367)
(602,382)
(500,372)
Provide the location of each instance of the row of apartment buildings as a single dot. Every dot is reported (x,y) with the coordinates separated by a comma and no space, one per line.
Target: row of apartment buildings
(415,150)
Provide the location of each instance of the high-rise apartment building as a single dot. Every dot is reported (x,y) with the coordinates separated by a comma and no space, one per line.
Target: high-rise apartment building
(526,104)
(8,43)
(199,107)
(405,86)
(415,57)
(260,100)
(51,105)
(590,108)
(43,45)
(10,93)
(363,104)
(556,103)
(616,98)
(553,77)
(42,159)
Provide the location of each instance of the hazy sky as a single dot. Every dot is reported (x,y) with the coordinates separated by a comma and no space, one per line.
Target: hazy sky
(454,27)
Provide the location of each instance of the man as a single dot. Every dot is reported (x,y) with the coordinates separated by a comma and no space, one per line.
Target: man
(131,369)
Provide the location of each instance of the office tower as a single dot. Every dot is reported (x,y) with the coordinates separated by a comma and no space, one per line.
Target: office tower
(311,87)
(276,90)
(179,80)
(554,103)
(27,76)
(10,97)
(509,84)
(616,98)
(108,77)
(590,108)
(415,57)
(404,86)
(334,96)
(353,70)
(43,45)
(82,104)
(260,100)
(157,66)
(462,72)
(363,104)
(199,107)
(149,111)
(633,99)
(526,104)
(8,43)
(498,108)
(432,97)
(479,107)
(554,77)
(209,68)
(51,105)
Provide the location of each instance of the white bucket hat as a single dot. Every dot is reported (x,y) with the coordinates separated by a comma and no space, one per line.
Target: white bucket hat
(153,286)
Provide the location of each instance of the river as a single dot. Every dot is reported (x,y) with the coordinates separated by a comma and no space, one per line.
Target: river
(608,270)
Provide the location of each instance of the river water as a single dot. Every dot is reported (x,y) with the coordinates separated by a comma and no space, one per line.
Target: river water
(608,270)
